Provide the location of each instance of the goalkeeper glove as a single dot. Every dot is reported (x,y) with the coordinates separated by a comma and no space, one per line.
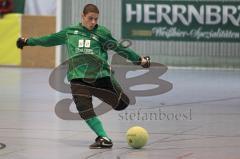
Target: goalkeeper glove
(21,42)
(145,62)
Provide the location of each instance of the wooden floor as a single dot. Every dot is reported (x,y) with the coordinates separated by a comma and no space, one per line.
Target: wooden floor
(199,118)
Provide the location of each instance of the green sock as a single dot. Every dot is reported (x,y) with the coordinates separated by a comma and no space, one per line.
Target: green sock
(96,125)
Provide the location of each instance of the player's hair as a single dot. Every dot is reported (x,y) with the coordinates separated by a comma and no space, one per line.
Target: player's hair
(90,8)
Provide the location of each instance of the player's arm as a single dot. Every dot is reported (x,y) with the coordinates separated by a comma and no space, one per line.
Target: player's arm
(128,53)
(54,39)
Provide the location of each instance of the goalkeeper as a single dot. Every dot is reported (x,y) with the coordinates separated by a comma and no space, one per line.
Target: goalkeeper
(88,69)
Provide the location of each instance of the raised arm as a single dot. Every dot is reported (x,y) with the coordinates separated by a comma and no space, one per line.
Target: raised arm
(54,39)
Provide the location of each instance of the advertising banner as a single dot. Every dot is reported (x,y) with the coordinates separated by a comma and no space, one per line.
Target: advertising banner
(181,20)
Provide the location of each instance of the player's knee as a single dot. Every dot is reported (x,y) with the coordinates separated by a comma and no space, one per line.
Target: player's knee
(122,104)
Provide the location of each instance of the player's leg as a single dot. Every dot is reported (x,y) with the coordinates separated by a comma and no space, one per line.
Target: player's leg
(111,93)
(83,100)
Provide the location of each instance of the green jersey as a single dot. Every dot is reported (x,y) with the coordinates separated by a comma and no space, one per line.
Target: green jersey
(87,50)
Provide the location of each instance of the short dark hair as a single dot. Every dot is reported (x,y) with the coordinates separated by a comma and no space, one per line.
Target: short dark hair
(90,8)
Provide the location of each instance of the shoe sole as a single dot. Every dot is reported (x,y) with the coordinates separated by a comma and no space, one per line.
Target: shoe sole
(100,147)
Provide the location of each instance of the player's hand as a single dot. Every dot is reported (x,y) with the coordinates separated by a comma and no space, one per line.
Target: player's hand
(145,62)
(21,42)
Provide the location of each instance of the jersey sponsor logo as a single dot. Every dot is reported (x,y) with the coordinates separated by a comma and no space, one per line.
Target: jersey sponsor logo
(84,43)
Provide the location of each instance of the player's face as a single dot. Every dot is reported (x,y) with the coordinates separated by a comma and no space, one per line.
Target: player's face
(90,20)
